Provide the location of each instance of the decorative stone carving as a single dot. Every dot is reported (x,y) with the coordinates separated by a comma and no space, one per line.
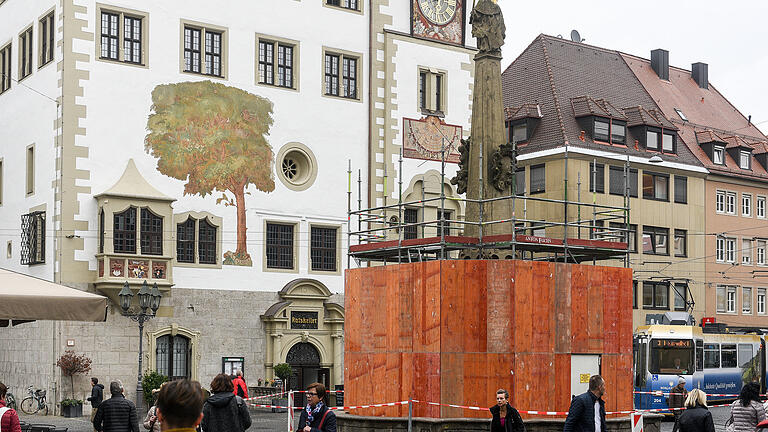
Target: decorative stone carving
(488,27)
(502,167)
(462,175)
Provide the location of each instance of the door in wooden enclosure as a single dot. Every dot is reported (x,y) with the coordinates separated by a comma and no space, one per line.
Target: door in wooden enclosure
(583,366)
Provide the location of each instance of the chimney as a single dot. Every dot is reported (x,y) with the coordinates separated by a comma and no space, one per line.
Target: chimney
(660,63)
(699,73)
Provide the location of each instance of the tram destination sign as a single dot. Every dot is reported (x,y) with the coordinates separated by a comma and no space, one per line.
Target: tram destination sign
(672,343)
(304,320)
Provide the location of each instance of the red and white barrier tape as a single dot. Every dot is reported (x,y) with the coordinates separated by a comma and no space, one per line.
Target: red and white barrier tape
(265,397)
(661,393)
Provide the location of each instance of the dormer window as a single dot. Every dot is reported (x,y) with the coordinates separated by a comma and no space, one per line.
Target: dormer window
(744,160)
(652,139)
(668,142)
(610,130)
(519,133)
(718,155)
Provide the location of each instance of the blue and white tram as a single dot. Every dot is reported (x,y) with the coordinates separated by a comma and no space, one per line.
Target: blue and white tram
(718,363)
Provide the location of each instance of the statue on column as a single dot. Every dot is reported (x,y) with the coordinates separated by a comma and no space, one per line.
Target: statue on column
(488,27)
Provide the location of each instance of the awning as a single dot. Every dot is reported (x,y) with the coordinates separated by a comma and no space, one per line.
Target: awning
(25,298)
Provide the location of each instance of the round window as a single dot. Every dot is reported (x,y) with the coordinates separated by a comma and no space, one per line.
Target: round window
(297,166)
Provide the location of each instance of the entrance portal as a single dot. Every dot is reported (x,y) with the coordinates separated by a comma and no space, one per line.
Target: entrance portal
(305,365)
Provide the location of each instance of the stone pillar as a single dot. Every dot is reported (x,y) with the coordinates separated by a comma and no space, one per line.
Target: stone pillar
(277,347)
(338,356)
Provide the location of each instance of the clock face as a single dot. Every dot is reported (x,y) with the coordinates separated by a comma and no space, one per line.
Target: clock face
(438,12)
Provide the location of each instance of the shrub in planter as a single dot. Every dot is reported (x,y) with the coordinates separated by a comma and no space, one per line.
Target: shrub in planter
(72,364)
(72,408)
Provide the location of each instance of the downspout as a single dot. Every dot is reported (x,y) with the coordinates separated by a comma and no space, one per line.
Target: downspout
(371,50)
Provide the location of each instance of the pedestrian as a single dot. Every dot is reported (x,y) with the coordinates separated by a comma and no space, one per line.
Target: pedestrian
(677,398)
(505,416)
(587,412)
(179,406)
(116,414)
(97,395)
(316,416)
(9,420)
(224,411)
(696,417)
(239,382)
(747,411)
(150,421)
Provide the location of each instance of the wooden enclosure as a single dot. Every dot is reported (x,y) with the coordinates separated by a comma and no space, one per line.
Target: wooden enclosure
(455,331)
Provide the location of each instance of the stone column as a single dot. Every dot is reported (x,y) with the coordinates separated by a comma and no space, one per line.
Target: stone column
(277,346)
(338,358)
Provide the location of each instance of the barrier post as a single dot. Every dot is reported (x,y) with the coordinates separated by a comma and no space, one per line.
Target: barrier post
(637,422)
(290,411)
(410,415)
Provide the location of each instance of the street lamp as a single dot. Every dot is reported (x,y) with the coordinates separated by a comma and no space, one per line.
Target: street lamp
(148,299)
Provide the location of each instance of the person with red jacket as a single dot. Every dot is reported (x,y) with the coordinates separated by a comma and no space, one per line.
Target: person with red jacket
(9,420)
(240,388)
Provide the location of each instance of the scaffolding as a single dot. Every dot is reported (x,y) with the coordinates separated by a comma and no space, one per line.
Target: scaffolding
(381,237)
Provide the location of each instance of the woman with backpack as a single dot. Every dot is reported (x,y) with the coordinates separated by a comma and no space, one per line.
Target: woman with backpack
(224,411)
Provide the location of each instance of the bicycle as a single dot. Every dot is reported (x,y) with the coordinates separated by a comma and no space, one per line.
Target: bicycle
(35,402)
(10,401)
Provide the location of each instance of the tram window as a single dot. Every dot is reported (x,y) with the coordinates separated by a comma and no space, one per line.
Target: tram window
(671,356)
(699,355)
(640,364)
(728,355)
(711,356)
(745,355)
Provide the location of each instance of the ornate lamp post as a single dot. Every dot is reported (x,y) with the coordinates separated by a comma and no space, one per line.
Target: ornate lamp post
(148,299)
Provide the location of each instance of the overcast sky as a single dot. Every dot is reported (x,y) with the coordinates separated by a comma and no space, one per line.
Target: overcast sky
(730,36)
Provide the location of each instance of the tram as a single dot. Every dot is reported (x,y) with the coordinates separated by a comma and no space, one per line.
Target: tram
(717,363)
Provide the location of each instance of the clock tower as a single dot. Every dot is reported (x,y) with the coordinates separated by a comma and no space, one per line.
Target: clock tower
(440,20)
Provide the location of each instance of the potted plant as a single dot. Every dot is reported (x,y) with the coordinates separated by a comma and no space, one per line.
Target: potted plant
(283,372)
(72,364)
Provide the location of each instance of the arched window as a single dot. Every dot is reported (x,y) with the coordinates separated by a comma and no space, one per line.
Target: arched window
(206,247)
(185,241)
(303,354)
(172,356)
(125,231)
(151,233)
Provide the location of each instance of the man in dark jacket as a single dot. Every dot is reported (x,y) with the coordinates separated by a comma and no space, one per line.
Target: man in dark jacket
(97,395)
(587,412)
(677,400)
(116,414)
(224,411)
(316,417)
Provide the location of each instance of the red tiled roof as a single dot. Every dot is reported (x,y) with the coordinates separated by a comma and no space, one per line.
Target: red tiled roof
(529,110)
(586,106)
(707,136)
(760,147)
(736,142)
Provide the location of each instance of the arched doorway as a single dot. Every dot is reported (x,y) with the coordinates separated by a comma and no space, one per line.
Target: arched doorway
(305,364)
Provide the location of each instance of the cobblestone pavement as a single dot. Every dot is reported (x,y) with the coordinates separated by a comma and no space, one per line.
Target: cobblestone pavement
(263,420)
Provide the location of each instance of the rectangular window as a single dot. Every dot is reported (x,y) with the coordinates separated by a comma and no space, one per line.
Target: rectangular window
(681,243)
(5,68)
(730,203)
(206,247)
(720,201)
(720,249)
(681,189)
(423,75)
(332,74)
(25,53)
(151,233)
(284,66)
(730,250)
(668,142)
(438,92)
(746,251)
(132,40)
(721,298)
(620,235)
(746,300)
(185,241)
(323,249)
(760,207)
(618,132)
(760,252)
(655,295)
(341,72)
(349,77)
(746,205)
(47,38)
(728,356)
(346,4)
(712,356)
(744,159)
(634,294)
(30,170)
(431,91)
(212,53)
(110,35)
(33,238)
(538,179)
(520,181)
(602,129)
(731,299)
(192,52)
(279,246)
(443,221)
(761,301)
(616,181)
(655,240)
(596,177)
(655,186)
(124,231)
(520,133)
(652,139)
(718,155)
(410,217)
(681,296)
(266,62)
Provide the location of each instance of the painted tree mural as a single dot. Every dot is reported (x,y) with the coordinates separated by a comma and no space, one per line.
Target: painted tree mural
(214,137)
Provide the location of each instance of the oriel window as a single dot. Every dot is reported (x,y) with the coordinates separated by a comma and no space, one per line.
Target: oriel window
(151,233)
(124,240)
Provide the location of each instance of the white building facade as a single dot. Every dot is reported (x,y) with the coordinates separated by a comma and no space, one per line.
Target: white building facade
(210,151)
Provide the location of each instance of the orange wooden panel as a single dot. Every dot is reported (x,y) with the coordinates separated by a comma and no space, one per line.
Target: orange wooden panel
(352,309)
(405,297)
(499,312)
(451,306)
(523,327)
(562,308)
(542,312)
(611,299)
(608,372)
(475,301)
(560,400)
(426,383)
